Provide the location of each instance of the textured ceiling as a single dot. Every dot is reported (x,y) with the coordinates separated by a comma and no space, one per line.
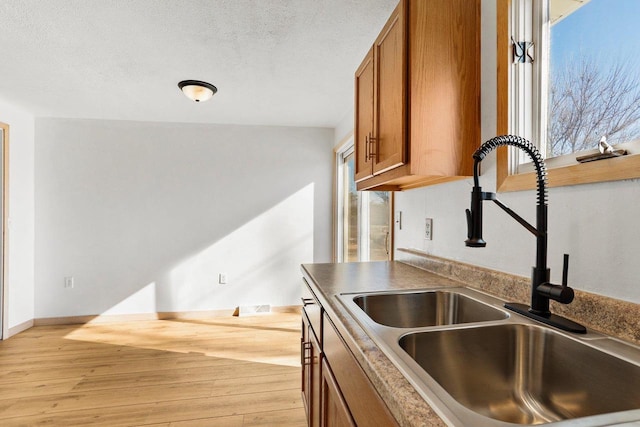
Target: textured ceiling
(275,62)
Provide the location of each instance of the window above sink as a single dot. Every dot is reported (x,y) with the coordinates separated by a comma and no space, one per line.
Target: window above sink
(576,83)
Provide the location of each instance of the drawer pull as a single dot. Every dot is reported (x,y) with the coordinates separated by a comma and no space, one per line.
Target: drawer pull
(307,358)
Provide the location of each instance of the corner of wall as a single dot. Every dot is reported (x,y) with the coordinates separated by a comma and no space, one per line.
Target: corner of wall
(344,128)
(21,206)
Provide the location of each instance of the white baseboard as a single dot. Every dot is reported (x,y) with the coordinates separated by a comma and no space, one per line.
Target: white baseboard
(163,315)
(15,330)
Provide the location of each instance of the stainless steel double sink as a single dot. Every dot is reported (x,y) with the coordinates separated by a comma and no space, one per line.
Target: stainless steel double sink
(478,364)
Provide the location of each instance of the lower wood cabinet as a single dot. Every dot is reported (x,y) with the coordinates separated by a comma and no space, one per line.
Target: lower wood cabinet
(335,390)
(335,412)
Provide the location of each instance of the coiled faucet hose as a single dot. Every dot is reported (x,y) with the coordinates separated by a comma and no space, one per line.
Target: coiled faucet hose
(524,145)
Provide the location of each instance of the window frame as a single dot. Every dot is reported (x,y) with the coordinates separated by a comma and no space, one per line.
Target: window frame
(507,177)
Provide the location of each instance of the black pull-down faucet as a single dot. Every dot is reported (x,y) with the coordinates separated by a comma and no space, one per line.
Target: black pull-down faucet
(541,289)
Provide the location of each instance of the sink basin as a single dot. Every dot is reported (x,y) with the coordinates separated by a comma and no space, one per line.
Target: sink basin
(425,308)
(523,373)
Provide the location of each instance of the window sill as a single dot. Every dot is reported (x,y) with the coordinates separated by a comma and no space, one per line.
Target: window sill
(614,169)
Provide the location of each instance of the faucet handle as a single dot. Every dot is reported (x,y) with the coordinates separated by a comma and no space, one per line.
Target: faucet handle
(565,270)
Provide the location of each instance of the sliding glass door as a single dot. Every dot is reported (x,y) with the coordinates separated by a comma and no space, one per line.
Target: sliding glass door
(364,217)
(349,212)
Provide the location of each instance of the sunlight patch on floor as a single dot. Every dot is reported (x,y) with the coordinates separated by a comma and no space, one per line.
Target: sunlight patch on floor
(263,339)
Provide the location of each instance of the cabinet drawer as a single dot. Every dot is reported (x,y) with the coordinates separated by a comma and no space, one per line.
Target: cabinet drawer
(313,310)
(365,405)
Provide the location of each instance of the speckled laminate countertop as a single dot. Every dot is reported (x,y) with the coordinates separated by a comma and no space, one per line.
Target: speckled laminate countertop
(617,318)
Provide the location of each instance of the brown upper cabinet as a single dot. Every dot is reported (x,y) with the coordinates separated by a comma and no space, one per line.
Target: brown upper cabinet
(381,88)
(417,97)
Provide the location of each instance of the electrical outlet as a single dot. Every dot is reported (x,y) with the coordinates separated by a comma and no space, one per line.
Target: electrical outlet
(68,282)
(428,228)
(222,278)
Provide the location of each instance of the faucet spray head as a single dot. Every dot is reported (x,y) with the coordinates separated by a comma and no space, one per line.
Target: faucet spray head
(474,220)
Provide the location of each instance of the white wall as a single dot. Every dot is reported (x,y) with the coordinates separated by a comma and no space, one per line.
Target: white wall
(596,224)
(344,128)
(145,215)
(21,213)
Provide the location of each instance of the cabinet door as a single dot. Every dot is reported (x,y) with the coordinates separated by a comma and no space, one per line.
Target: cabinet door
(335,412)
(311,376)
(363,129)
(365,405)
(306,371)
(390,95)
(316,381)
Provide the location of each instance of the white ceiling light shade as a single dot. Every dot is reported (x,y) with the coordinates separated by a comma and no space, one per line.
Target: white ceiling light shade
(196,90)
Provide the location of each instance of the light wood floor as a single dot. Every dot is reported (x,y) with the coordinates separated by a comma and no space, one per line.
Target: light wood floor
(216,372)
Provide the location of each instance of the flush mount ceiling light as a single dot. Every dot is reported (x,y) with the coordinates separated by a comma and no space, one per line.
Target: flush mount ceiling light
(196,90)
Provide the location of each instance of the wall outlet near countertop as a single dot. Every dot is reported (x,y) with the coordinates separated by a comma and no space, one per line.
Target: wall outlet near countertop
(428,228)
(69,282)
(222,278)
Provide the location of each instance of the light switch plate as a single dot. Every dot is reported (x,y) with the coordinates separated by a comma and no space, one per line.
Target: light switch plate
(399,219)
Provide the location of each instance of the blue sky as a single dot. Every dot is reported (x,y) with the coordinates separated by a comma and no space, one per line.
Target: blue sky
(604,28)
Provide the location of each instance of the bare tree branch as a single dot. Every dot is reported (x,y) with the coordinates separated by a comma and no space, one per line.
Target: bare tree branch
(587,101)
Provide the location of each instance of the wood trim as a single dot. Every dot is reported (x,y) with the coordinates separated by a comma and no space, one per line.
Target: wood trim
(383,178)
(502,84)
(503,60)
(15,330)
(396,181)
(392,225)
(161,315)
(6,333)
(615,169)
(429,180)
